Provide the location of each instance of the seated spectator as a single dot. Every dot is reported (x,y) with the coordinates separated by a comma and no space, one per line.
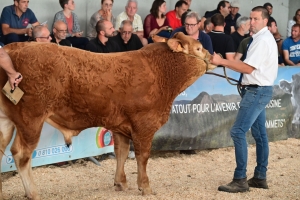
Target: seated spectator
(137,23)
(189,2)
(103,43)
(230,20)
(156,23)
(290,47)
(295,20)
(191,28)
(222,8)
(272,26)
(174,16)
(41,33)
(242,48)
(67,15)
(104,13)
(222,43)
(208,26)
(126,39)
(269,8)
(243,26)
(15,20)
(59,34)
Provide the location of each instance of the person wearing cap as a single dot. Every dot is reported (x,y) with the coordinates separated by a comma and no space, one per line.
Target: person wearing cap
(230,20)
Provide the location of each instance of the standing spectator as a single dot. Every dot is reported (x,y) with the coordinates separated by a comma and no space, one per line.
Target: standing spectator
(191,28)
(41,33)
(174,16)
(67,15)
(290,47)
(14,77)
(222,43)
(103,43)
(259,73)
(243,26)
(241,51)
(14,22)
(222,8)
(59,35)
(230,20)
(295,20)
(269,8)
(104,13)
(126,39)
(208,26)
(156,23)
(130,14)
(272,26)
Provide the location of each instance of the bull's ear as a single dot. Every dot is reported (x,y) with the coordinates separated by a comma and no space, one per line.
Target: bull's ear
(175,45)
(157,38)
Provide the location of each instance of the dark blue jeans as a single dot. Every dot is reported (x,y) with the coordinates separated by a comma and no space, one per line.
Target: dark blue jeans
(252,114)
(12,37)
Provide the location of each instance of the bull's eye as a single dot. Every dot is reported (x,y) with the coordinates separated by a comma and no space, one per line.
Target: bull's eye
(198,49)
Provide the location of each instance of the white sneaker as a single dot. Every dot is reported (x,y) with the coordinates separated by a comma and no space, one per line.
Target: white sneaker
(131,154)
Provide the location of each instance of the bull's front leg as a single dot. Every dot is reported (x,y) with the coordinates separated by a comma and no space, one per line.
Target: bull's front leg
(121,146)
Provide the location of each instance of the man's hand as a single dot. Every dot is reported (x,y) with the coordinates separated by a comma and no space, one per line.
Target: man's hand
(78,34)
(216,59)
(14,79)
(29,32)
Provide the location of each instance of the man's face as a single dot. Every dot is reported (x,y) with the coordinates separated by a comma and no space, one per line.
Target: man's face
(226,10)
(131,9)
(191,25)
(273,28)
(295,33)
(209,28)
(270,10)
(45,36)
(22,5)
(126,32)
(257,22)
(234,10)
(60,31)
(181,10)
(109,29)
(246,27)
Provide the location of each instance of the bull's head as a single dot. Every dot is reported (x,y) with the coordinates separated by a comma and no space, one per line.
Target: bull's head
(183,43)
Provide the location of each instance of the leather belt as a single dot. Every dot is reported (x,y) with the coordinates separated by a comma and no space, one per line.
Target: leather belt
(253,86)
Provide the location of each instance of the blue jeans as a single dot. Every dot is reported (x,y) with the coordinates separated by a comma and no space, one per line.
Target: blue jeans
(252,114)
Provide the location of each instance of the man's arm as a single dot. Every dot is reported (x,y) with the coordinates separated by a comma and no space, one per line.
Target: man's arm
(6,30)
(140,34)
(230,56)
(286,57)
(14,77)
(235,65)
(202,23)
(238,56)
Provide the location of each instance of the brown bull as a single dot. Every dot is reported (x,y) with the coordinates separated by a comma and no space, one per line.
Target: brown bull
(129,93)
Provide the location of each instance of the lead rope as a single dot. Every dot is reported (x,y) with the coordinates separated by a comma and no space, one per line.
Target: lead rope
(237,84)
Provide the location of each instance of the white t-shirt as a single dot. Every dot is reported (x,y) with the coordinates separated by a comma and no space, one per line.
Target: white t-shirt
(263,56)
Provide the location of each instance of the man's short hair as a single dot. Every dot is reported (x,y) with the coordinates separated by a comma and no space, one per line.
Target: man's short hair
(207,22)
(37,31)
(222,4)
(296,25)
(270,20)
(218,19)
(263,10)
(63,2)
(241,20)
(102,1)
(267,4)
(100,25)
(134,1)
(192,14)
(125,22)
(179,3)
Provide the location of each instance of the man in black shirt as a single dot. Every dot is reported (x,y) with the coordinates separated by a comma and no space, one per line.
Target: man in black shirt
(103,43)
(60,33)
(230,20)
(243,26)
(126,39)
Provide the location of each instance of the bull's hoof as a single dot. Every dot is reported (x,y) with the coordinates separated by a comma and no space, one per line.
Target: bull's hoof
(146,191)
(121,186)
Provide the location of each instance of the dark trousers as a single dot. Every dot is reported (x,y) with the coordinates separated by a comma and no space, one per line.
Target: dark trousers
(13,37)
(78,42)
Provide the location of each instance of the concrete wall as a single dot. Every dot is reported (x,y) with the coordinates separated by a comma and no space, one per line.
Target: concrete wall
(45,9)
(294,5)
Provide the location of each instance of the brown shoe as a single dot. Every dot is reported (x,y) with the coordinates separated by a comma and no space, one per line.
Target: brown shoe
(236,185)
(258,183)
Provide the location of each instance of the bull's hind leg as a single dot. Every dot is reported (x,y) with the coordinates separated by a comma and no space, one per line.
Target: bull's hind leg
(6,133)
(24,144)
(121,145)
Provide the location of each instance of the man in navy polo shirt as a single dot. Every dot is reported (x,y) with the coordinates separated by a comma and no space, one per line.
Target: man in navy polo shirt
(14,22)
